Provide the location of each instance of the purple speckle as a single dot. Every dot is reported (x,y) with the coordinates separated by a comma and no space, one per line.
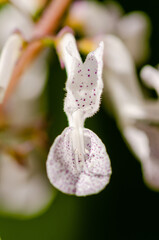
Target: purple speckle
(91,83)
(88,69)
(88,75)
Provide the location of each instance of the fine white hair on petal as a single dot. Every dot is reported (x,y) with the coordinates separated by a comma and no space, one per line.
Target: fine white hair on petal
(73,177)
(9,56)
(84,85)
(150,76)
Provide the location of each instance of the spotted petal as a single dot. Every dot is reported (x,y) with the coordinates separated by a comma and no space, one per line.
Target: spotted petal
(84,84)
(66,171)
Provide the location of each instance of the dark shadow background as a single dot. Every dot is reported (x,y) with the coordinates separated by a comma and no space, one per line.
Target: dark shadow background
(126,209)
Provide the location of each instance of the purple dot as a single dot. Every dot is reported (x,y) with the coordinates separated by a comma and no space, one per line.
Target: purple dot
(84,99)
(89,96)
(83,105)
(88,69)
(88,75)
(80,85)
(76,100)
(91,83)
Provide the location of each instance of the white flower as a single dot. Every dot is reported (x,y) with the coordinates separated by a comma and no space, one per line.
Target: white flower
(34,77)
(78,163)
(137,118)
(29,6)
(150,76)
(24,190)
(94,19)
(9,56)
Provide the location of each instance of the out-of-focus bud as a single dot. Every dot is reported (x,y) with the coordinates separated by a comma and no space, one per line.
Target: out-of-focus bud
(150,76)
(137,36)
(10,20)
(93,18)
(29,6)
(9,56)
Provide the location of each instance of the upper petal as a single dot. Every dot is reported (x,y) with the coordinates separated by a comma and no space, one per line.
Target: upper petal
(84,84)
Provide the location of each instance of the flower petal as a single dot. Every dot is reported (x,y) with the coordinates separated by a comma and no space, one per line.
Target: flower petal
(24,190)
(93,18)
(68,51)
(84,84)
(135,37)
(143,138)
(66,171)
(9,57)
(150,77)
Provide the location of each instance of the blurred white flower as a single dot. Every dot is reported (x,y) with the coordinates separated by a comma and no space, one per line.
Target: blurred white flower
(12,19)
(136,117)
(93,19)
(35,75)
(77,162)
(150,76)
(9,56)
(29,6)
(24,189)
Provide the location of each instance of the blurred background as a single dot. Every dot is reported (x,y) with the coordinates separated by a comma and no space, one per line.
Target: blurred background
(126,208)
